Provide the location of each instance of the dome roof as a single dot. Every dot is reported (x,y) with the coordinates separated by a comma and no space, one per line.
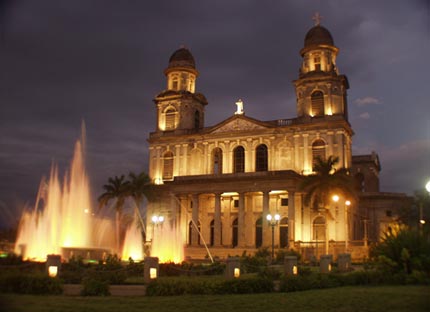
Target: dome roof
(182,58)
(318,35)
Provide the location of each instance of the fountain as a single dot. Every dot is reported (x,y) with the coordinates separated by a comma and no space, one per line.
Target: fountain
(167,244)
(62,222)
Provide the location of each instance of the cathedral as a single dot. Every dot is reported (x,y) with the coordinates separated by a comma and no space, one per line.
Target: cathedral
(218,184)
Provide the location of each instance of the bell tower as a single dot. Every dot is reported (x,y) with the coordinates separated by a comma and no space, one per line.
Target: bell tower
(320,89)
(179,107)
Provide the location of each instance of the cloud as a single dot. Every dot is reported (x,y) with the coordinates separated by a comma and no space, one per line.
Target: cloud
(368,100)
(365,115)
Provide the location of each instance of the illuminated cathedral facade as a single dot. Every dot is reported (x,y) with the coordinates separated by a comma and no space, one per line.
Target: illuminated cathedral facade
(217,184)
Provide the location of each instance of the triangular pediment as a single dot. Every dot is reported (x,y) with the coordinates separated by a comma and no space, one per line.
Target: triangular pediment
(238,123)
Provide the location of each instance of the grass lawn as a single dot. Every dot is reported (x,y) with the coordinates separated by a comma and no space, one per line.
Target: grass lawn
(380,298)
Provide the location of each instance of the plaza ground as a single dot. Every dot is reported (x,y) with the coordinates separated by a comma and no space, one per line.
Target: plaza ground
(380,298)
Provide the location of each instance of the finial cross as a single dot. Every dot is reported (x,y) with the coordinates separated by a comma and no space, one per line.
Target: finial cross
(317,18)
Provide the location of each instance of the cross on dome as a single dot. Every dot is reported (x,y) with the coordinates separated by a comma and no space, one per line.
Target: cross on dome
(317,18)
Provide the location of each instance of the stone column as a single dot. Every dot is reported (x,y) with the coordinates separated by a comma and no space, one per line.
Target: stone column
(241,221)
(184,159)
(291,219)
(227,161)
(206,159)
(330,143)
(265,225)
(217,220)
(296,153)
(177,164)
(195,220)
(307,165)
(340,148)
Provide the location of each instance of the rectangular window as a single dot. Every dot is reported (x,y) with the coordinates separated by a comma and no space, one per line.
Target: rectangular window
(236,203)
(284,201)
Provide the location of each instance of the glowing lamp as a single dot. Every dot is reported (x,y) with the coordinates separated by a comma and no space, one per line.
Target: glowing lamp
(329,267)
(348,203)
(52,271)
(295,271)
(269,217)
(236,273)
(335,198)
(428,186)
(153,273)
(423,221)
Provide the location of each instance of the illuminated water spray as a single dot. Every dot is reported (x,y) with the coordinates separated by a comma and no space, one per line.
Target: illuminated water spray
(62,222)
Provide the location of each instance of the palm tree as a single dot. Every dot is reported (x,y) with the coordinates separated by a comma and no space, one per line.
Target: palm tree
(323,183)
(139,187)
(117,190)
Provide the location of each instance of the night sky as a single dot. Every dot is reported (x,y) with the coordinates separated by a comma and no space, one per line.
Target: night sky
(62,62)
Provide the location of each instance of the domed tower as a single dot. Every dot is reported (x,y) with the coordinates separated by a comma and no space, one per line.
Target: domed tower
(179,107)
(320,90)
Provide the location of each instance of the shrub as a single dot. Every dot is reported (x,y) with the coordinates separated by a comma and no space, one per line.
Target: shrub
(35,284)
(95,287)
(191,269)
(174,287)
(403,250)
(256,263)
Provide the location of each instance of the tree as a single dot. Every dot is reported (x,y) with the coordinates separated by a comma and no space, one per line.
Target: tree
(323,183)
(116,190)
(139,188)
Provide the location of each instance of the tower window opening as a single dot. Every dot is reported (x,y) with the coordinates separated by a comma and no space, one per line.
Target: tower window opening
(168,166)
(318,151)
(317,63)
(175,84)
(170,117)
(196,120)
(317,101)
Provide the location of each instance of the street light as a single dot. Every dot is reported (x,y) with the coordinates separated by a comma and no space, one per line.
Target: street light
(273,221)
(422,221)
(156,220)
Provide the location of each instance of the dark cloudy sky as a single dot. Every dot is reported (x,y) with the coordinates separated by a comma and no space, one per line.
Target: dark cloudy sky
(64,61)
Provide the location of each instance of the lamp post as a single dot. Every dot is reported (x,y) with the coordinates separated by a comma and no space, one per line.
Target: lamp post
(347,204)
(346,220)
(273,221)
(422,221)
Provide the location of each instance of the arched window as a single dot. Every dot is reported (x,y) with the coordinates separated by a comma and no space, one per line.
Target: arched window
(359,182)
(168,166)
(217,161)
(261,158)
(283,233)
(196,119)
(259,233)
(318,151)
(317,99)
(319,229)
(234,237)
(170,118)
(239,159)
(191,229)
